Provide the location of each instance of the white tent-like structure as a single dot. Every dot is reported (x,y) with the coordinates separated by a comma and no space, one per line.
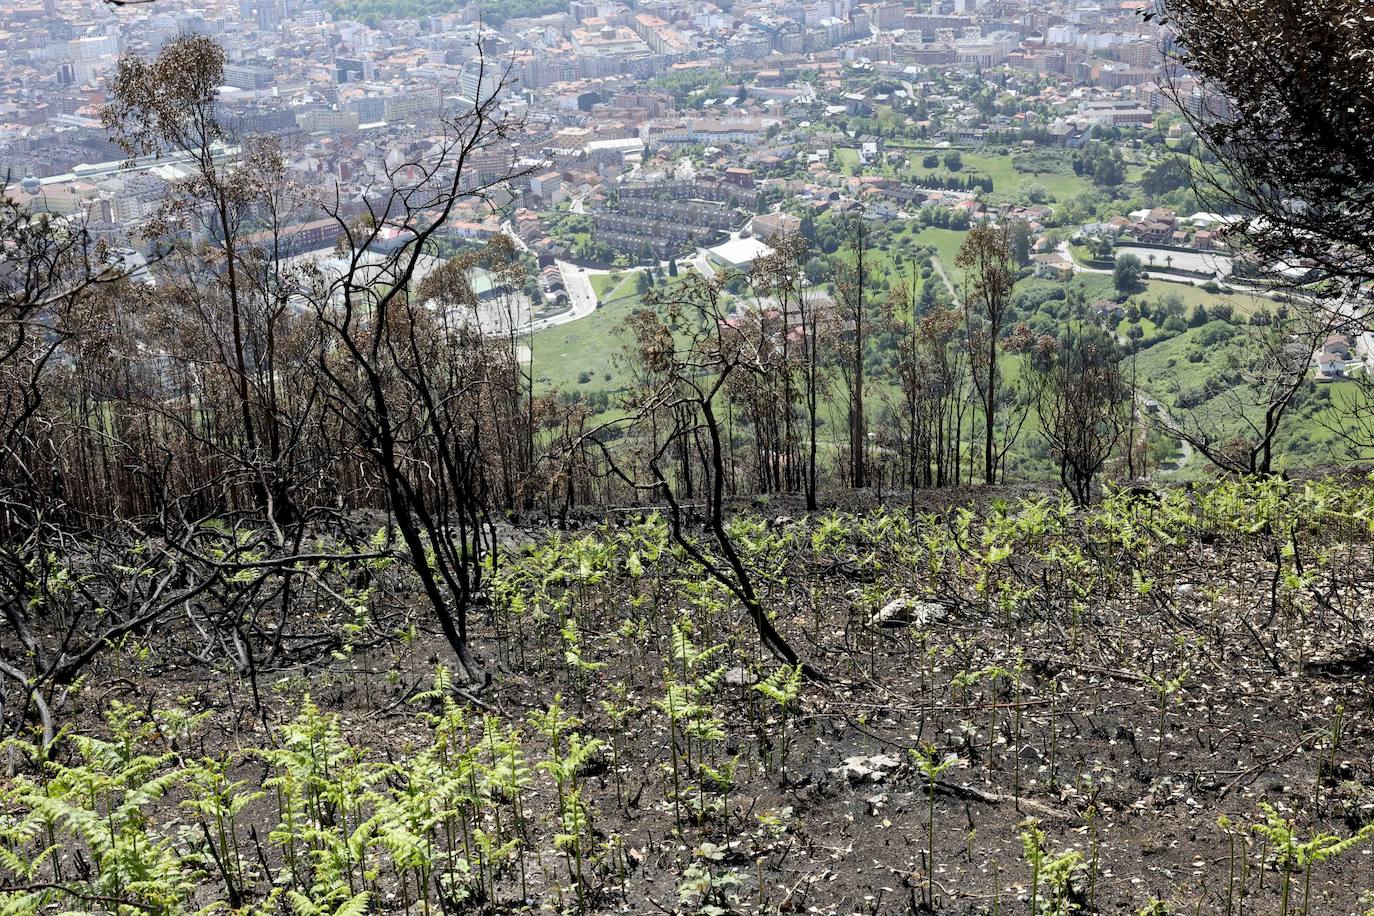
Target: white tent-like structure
(738,253)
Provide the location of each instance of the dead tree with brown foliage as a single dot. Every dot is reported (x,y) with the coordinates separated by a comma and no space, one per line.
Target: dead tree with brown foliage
(775,395)
(931,372)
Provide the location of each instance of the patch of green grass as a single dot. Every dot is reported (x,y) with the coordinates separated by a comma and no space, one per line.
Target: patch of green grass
(617,287)
(1193,296)
(593,344)
(845,158)
(1182,363)
(947,243)
(562,353)
(1185,364)
(602,284)
(1149,330)
(1006,179)
(1094,286)
(889,259)
(1082,254)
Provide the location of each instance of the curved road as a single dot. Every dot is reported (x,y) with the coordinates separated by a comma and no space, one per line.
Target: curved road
(1170,426)
(581,296)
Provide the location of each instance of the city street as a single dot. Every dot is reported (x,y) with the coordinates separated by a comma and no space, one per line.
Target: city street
(578,282)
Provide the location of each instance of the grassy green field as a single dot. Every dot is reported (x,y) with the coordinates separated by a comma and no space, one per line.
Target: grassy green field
(584,357)
(845,159)
(1193,296)
(1006,178)
(1185,364)
(1147,327)
(613,286)
(1094,286)
(946,242)
(589,345)
(1081,255)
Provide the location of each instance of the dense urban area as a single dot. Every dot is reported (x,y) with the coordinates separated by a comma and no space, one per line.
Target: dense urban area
(653,140)
(674,456)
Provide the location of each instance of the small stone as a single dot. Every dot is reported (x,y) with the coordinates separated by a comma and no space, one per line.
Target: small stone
(868,769)
(905,611)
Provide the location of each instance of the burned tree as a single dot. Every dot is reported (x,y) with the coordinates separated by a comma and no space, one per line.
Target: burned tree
(1235,419)
(221,308)
(1083,405)
(675,416)
(46,274)
(852,290)
(985,258)
(418,387)
(167,106)
(1286,122)
(778,395)
(931,372)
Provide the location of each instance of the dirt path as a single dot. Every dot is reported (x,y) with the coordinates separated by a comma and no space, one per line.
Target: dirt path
(949,285)
(1185,449)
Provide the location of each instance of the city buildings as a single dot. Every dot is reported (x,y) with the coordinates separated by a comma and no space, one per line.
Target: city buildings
(667,124)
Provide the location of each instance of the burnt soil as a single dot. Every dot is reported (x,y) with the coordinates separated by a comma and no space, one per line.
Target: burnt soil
(1068,734)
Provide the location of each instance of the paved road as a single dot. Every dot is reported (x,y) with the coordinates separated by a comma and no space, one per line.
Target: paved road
(1064,252)
(516,240)
(578,282)
(701,263)
(1171,427)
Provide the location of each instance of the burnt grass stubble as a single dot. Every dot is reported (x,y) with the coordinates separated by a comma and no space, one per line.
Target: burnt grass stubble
(1250,722)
